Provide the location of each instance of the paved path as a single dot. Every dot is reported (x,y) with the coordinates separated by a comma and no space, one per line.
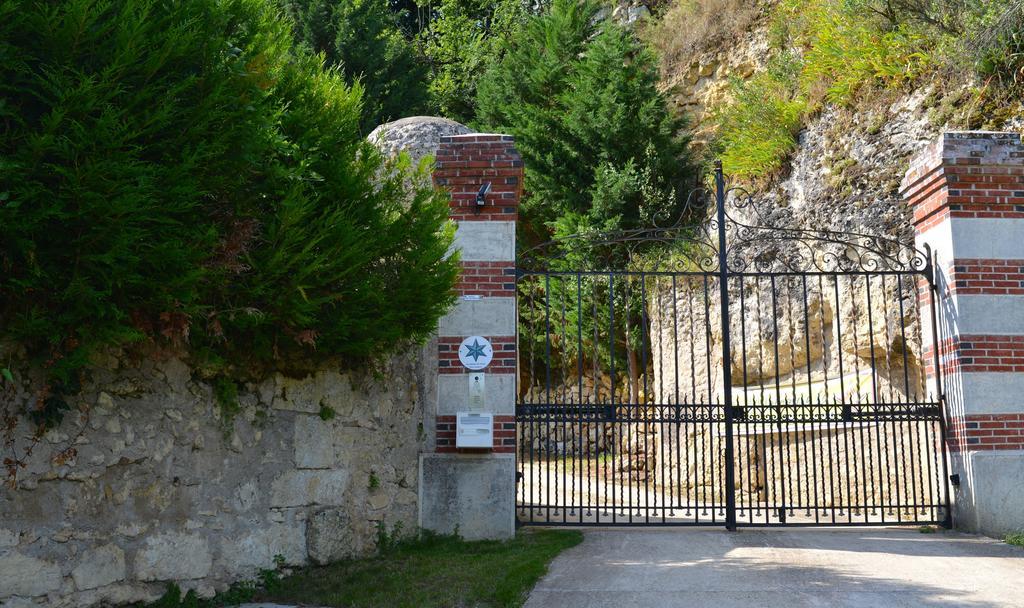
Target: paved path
(794,568)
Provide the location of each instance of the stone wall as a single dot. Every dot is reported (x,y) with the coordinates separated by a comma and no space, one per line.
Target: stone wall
(160,487)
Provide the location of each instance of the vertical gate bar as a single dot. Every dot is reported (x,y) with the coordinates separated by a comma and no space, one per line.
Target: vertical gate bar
(827,410)
(723,270)
(674,426)
(659,405)
(783,468)
(564,422)
(627,447)
(611,380)
(533,411)
(763,437)
(747,507)
(940,395)
(864,454)
(692,419)
(891,419)
(594,485)
(706,442)
(581,440)
(546,462)
(644,414)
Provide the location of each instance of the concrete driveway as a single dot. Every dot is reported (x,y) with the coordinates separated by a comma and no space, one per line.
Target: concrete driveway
(793,568)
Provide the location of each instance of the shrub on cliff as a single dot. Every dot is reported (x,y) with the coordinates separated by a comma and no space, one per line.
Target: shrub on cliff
(175,172)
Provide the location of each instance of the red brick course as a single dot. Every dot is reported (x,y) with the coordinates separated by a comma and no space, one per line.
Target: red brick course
(981,276)
(504,361)
(967,175)
(987,432)
(979,353)
(504,436)
(465,162)
(488,279)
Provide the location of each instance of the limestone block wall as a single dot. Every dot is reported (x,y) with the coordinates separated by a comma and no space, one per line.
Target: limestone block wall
(158,487)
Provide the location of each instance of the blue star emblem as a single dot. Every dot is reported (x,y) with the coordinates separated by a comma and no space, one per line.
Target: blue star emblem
(475,350)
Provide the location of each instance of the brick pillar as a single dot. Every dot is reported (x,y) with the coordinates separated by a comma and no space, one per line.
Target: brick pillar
(474,489)
(967,195)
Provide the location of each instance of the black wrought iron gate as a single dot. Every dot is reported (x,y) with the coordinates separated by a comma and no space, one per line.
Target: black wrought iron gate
(728,370)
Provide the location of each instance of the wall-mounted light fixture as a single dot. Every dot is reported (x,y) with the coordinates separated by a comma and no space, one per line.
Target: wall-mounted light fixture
(481,196)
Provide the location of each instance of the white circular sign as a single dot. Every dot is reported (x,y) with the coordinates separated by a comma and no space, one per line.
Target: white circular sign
(476,352)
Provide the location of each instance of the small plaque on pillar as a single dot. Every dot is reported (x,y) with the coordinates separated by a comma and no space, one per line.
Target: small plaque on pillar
(476,353)
(476,391)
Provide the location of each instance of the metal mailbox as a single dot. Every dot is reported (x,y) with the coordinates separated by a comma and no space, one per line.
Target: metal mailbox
(474,430)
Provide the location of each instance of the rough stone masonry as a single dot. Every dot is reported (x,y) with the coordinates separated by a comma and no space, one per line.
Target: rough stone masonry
(163,489)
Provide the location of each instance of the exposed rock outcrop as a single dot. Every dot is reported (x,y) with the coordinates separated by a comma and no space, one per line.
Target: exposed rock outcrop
(418,136)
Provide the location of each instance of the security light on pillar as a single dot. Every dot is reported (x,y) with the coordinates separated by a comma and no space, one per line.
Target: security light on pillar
(481,196)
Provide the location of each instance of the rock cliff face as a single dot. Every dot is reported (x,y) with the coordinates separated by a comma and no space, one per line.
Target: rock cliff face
(802,338)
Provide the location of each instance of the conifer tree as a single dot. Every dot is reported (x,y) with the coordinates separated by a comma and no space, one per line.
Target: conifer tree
(363,39)
(602,154)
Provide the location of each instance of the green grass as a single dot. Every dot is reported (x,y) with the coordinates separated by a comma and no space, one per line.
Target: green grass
(430,571)
(1016,539)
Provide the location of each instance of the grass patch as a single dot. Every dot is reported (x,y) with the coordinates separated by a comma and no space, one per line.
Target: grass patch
(1016,539)
(430,571)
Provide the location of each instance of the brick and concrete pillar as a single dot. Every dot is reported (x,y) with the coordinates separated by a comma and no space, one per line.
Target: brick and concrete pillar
(967,195)
(473,489)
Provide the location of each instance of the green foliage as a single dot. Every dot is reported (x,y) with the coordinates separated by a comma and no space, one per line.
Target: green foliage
(267,581)
(362,38)
(177,174)
(374,482)
(462,40)
(995,35)
(431,571)
(225,393)
(327,413)
(390,540)
(1015,538)
(844,50)
(842,47)
(602,153)
(758,129)
(600,147)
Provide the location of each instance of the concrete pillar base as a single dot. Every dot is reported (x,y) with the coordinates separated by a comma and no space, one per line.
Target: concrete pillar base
(469,494)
